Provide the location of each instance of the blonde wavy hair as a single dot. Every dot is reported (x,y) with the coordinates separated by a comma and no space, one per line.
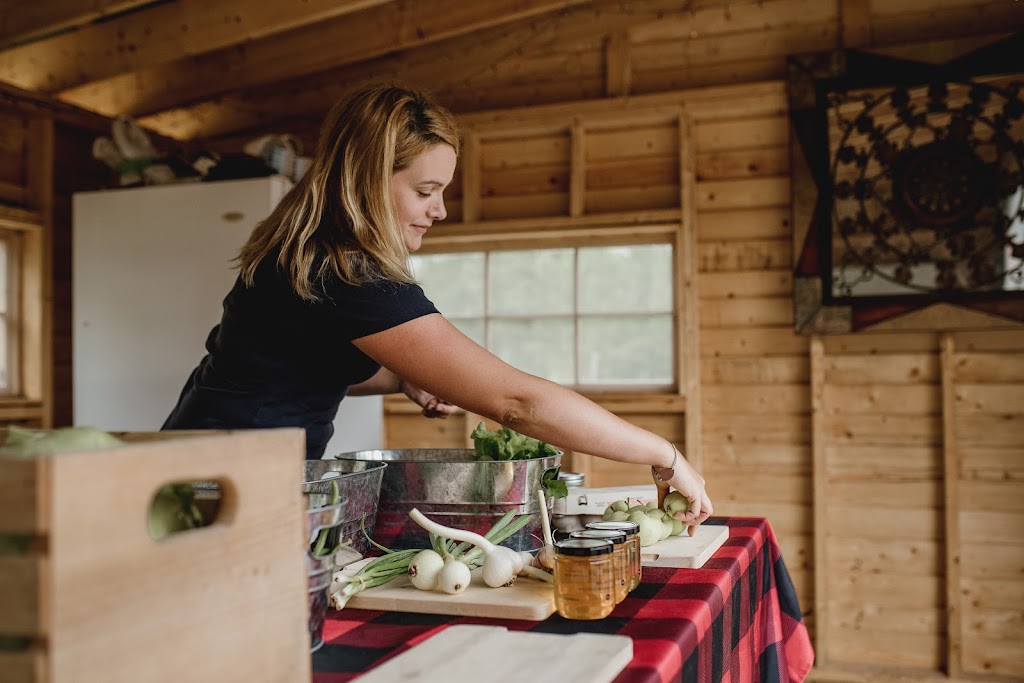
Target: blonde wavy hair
(339,219)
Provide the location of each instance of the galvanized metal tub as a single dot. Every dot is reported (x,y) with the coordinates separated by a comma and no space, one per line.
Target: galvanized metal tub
(359,483)
(451,486)
(322,516)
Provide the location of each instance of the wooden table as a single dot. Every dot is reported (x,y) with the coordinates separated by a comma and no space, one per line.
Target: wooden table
(735,620)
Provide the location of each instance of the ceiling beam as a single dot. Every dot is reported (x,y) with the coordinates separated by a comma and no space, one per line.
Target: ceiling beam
(155,35)
(25,20)
(437,67)
(311,96)
(361,36)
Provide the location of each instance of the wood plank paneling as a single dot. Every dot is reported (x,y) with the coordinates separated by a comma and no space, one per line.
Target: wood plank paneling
(911,399)
(756,458)
(742,224)
(747,255)
(877,556)
(868,542)
(777,370)
(757,399)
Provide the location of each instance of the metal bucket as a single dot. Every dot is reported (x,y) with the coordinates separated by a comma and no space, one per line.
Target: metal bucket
(319,586)
(359,484)
(320,516)
(451,486)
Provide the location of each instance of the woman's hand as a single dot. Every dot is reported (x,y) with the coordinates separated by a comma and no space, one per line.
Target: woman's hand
(432,405)
(688,482)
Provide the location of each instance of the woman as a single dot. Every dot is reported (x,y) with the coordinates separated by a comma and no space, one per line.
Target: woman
(325,305)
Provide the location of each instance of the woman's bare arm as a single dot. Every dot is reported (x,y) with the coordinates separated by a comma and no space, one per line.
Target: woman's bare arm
(387,382)
(434,355)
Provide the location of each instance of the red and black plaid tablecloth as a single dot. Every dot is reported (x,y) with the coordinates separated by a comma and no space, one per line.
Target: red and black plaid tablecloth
(735,620)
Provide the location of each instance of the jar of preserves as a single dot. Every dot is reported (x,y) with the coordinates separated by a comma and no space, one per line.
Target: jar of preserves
(621,570)
(583,578)
(632,530)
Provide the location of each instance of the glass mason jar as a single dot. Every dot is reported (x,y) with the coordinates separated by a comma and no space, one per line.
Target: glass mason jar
(632,530)
(583,578)
(621,569)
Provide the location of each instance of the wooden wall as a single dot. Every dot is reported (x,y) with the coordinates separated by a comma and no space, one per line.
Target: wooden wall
(889,461)
(45,156)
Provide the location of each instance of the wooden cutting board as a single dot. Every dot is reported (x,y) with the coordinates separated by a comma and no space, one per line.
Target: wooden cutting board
(684,551)
(528,599)
(467,653)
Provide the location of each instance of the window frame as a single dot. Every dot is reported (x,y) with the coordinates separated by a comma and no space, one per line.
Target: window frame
(582,237)
(26,283)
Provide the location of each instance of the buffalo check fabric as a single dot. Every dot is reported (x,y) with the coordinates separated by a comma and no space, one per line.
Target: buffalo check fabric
(734,620)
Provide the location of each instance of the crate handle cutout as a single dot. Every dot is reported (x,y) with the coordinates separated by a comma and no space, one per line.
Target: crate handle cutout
(182,506)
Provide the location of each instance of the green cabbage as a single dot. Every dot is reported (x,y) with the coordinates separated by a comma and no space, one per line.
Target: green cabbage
(27,443)
(173,508)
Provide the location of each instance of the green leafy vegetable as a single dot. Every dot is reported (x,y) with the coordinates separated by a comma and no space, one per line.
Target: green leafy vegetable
(552,485)
(508,444)
(319,547)
(27,443)
(173,508)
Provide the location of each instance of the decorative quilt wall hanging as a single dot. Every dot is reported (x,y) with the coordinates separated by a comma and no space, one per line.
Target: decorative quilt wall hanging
(908,186)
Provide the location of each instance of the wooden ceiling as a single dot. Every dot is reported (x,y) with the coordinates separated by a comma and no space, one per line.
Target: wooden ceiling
(216,69)
(220,72)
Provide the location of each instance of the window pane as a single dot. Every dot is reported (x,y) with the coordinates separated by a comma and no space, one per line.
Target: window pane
(541,347)
(5,333)
(535,282)
(454,282)
(5,255)
(626,279)
(626,350)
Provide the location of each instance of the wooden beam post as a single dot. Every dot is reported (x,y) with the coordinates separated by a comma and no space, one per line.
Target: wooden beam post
(951,498)
(578,170)
(688,295)
(471,177)
(37,299)
(855,23)
(617,67)
(819,474)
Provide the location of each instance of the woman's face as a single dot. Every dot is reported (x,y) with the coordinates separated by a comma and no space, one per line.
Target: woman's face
(417,192)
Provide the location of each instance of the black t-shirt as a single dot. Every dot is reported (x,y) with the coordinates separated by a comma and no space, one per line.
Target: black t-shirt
(278,361)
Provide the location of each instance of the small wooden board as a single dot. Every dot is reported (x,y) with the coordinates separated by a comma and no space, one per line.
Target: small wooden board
(488,653)
(527,599)
(684,551)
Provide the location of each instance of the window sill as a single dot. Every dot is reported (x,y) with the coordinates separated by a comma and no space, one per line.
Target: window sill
(14,408)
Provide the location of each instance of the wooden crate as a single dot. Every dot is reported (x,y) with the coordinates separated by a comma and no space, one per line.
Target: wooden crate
(102,601)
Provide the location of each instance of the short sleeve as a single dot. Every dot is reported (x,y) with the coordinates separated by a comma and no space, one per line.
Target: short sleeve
(377,306)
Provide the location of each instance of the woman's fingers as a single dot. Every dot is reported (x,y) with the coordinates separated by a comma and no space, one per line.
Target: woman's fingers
(705,511)
(437,407)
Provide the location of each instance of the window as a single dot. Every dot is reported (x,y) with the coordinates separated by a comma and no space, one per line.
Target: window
(588,317)
(9,273)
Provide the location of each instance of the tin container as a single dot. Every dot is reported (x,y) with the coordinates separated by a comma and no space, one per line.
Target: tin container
(323,516)
(451,486)
(359,484)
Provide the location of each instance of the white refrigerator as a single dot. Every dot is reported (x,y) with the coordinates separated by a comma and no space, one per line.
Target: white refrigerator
(151,266)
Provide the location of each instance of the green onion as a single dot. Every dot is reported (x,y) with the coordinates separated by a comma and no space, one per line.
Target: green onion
(394,563)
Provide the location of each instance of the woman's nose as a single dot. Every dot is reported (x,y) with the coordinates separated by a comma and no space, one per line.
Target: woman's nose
(437,211)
